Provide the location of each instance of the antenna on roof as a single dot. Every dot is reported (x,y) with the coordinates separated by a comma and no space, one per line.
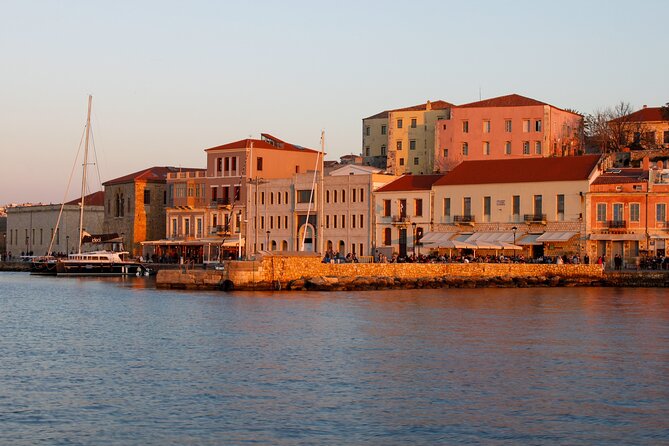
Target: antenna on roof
(480,98)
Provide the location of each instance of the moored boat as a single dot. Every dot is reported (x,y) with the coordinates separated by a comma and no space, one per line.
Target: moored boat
(100,263)
(43,265)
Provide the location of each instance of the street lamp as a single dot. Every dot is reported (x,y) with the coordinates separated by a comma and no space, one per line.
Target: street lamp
(514,229)
(413,234)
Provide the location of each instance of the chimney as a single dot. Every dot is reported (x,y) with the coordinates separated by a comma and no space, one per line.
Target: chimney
(645,106)
(428,106)
(645,163)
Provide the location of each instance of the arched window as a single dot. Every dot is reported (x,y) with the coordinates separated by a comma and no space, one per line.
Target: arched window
(284,246)
(342,247)
(273,245)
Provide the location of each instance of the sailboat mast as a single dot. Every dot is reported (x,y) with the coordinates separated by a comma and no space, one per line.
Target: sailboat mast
(83,175)
(321,204)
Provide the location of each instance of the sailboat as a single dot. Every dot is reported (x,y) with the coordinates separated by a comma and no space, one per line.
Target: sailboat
(93,263)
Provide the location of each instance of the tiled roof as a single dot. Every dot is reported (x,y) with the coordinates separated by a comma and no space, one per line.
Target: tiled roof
(152,174)
(94,199)
(436,105)
(620,176)
(410,183)
(523,170)
(647,114)
(511,100)
(267,142)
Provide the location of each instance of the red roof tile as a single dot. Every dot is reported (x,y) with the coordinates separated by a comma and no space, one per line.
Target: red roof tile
(94,199)
(410,183)
(511,100)
(436,105)
(267,142)
(648,114)
(620,176)
(152,174)
(523,170)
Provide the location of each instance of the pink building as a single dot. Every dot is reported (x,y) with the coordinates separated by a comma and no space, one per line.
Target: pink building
(506,127)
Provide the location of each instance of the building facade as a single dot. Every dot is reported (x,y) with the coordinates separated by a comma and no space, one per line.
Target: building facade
(30,229)
(506,127)
(647,128)
(402,140)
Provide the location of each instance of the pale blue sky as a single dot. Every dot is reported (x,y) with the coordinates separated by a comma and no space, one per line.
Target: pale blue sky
(171,78)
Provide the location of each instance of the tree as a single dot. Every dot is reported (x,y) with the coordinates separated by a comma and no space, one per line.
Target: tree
(614,128)
(665,111)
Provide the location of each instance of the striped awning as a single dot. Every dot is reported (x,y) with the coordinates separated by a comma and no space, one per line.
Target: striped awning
(529,239)
(444,240)
(556,236)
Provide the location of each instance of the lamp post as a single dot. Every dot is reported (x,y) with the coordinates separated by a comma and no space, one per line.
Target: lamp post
(514,229)
(413,234)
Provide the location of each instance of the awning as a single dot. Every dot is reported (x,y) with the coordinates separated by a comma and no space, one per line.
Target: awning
(443,240)
(529,239)
(494,240)
(555,236)
(659,236)
(617,237)
(228,242)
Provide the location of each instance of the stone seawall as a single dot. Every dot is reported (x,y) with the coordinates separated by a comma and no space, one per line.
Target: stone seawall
(306,273)
(14,266)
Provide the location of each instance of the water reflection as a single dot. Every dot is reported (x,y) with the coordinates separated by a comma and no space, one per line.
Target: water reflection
(89,361)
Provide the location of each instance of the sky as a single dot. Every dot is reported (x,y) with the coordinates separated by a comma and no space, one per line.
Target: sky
(172,78)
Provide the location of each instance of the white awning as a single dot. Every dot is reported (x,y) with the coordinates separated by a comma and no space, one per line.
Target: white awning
(617,237)
(556,236)
(529,239)
(443,240)
(228,242)
(494,240)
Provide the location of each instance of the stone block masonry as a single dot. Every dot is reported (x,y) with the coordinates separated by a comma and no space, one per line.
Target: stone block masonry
(285,272)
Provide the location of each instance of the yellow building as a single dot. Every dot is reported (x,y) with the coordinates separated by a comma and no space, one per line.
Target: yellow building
(647,128)
(402,140)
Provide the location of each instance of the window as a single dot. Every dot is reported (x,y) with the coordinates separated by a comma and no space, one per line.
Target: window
(238,191)
(537,125)
(383,150)
(271,198)
(486,147)
(367,151)
(386,208)
(447,209)
(666,137)
(305,196)
(412,144)
(516,207)
(465,126)
(361,221)
(487,204)
(399,123)
(367,131)
(402,204)
(560,207)
(278,198)
(507,126)
(387,236)
(226,164)
(334,221)
(353,221)
(219,166)
(467,206)
(601,211)
(327,196)
(401,161)
(486,126)
(526,147)
(399,145)
(233,164)
(634,212)
(334,196)
(418,207)
(617,212)
(343,221)
(526,125)
(537,147)
(343,195)
(362,195)
(259,163)
(383,130)
(415,161)
(445,153)
(538,205)
(507,147)
(285,221)
(661,212)
(147,196)
(465,149)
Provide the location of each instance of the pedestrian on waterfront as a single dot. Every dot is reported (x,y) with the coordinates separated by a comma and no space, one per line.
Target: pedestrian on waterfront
(586,259)
(618,262)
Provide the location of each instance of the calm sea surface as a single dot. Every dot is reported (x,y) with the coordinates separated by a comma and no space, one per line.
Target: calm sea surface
(101,362)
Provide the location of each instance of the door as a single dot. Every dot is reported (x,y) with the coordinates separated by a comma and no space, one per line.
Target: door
(403,242)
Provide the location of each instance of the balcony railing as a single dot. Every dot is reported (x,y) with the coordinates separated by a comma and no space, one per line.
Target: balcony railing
(534,218)
(464,219)
(220,202)
(219,229)
(400,219)
(616,224)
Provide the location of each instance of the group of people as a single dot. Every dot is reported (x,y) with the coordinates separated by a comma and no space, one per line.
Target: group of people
(336,257)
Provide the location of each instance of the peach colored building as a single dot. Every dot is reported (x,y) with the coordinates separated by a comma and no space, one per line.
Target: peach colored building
(647,128)
(627,214)
(506,127)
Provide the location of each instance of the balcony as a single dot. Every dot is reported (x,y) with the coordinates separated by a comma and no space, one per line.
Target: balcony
(464,219)
(220,202)
(535,218)
(400,219)
(616,224)
(220,230)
